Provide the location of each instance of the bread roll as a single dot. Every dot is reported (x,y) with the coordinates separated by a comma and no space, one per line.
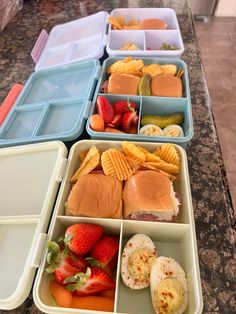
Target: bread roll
(166,86)
(125,84)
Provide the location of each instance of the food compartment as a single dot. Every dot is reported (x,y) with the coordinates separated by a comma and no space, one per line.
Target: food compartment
(61,117)
(165,14)
(121,112)
(180,184)
(21,123)
(158,40)
(16,238)
(118,41)
(42,295)
(175,241)
(163,113)
(138,68)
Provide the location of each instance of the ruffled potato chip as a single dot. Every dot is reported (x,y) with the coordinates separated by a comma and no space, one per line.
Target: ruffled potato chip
(152,69)
(126,66)
(168,153)
(107,165)
(121,21)
(133,152)
(164,166)
(169,69)
(89,163)
(121,164)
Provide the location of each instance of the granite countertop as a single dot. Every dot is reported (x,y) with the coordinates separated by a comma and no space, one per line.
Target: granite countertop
(210,193)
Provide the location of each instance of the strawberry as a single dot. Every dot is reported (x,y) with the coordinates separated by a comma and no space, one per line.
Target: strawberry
(105,249)
(123,106)
(81,238)
(93,281)
(105,109)
(63,263)
(135,120)
(127,120)
(115,122)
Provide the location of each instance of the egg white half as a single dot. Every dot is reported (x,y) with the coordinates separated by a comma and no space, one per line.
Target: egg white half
(165,267)
(138,241)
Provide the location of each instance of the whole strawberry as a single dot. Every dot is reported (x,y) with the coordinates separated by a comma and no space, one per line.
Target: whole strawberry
(62,263)
(81,238)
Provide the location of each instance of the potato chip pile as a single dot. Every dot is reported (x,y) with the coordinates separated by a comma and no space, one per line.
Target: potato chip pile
(138,68)
(122,163)
(119,23)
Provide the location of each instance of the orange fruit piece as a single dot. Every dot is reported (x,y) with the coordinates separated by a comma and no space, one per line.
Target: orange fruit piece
(62,296)
(95,303)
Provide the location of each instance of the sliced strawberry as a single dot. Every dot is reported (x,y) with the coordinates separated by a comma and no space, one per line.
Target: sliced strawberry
(93,281)
(105,249)
(81,238)
(135,120)
(116,121)
(127,120)
(105,109)
(123,106)
(63,263)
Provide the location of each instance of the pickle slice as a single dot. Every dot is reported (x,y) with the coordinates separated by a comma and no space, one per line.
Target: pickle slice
(144,87)
(162,121)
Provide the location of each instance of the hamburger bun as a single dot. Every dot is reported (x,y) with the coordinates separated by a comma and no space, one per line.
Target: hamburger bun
(149,195)
(153,24)
(95,195)
(123,84)
(166,86)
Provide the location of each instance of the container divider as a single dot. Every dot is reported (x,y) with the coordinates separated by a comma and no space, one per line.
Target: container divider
(39,122)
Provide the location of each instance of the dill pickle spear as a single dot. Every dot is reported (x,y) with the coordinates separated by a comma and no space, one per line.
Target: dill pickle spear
(162,121)
(144,86)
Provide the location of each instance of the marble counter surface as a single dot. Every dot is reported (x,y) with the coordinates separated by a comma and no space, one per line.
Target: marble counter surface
(211,199)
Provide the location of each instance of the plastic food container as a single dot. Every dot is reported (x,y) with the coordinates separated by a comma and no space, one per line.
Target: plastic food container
(149,105)
(26,216)
(148,41)
(87,37)
(53,104)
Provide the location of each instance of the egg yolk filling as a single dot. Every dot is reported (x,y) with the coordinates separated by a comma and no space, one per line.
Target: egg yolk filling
(168,296)
(140,263)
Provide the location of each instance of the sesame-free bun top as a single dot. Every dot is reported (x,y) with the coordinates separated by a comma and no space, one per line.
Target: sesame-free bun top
(166,86)
(95,195)
(153,24)
(149,192)
(125,84)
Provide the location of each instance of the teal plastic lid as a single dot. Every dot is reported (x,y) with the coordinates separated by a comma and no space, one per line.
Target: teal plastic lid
(54,104)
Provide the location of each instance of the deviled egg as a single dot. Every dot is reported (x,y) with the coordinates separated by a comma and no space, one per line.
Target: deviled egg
(168,286)
(138,256)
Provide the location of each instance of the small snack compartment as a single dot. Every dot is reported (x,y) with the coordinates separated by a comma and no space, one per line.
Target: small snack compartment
(120,41)
(103,233)
(168,40)
(173,243)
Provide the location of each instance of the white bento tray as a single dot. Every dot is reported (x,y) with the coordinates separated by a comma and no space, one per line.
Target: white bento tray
(86,38)
(32,174)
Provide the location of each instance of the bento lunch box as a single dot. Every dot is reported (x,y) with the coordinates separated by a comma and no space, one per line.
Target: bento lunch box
(87,37)
(148,105)
(33,173)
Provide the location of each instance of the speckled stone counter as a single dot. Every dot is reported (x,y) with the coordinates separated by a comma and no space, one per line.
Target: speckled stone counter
(211,199)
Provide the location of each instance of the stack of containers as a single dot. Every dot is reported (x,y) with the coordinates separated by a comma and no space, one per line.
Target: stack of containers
(54,105)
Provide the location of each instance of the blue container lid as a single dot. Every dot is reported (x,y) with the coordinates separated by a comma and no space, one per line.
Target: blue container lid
(54,104)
